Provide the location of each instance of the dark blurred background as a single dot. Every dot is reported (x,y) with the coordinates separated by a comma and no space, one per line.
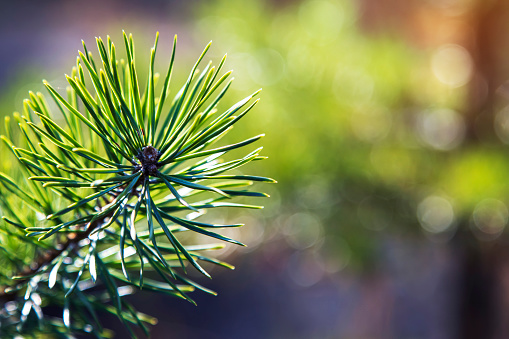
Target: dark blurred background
(387,125)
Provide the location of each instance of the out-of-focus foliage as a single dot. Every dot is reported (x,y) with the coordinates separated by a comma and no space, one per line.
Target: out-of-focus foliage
(368,134)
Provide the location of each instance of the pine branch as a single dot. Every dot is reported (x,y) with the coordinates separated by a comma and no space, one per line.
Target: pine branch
(110,191)
(47,257)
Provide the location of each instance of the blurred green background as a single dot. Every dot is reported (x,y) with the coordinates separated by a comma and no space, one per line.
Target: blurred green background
(386,125)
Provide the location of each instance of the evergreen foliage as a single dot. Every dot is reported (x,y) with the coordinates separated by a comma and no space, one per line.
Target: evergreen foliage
(104,186)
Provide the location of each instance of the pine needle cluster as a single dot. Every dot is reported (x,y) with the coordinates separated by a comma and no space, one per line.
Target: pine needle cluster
(108,178)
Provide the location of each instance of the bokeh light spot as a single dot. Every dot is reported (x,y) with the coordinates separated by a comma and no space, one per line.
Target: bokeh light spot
(442,129)
(435,214)
(452,65)
(490,217)
(303,230)
(502,124)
